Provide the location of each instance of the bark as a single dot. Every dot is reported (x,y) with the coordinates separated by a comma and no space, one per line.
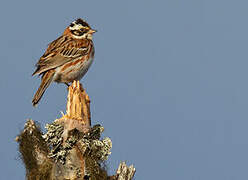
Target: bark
(71,148)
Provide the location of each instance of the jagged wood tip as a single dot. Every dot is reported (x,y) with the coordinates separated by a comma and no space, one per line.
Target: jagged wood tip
(77,110)
(78,103)
(124,172)
(70,149)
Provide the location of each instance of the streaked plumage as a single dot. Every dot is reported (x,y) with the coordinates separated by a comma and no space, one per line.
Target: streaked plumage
(67,58)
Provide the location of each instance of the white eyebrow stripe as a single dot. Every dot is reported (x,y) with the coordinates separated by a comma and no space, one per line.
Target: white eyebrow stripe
(76,27)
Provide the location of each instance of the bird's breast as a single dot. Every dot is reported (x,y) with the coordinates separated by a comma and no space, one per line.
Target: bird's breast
(74,70)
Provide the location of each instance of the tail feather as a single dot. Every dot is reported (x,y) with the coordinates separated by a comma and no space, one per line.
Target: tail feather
(46,80)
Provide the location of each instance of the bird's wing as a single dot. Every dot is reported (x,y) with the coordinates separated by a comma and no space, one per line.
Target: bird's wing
(59,52)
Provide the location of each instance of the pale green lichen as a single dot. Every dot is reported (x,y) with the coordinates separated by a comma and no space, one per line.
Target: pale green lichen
(89,142)
(94,147)
(101,149)
(54,138)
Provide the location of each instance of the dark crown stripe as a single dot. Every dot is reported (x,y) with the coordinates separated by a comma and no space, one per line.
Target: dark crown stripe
(82,22)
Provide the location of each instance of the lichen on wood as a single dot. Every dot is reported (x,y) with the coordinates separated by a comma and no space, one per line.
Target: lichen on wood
(70,148)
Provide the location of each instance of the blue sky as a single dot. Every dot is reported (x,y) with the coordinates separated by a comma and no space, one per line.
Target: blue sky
(169,82)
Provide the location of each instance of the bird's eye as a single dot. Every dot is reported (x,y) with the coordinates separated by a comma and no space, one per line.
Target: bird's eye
(83,30)
(71,25)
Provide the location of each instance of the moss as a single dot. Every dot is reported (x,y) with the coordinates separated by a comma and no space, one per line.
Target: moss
(94,169)
(34,151)
(42,173)
(32,146)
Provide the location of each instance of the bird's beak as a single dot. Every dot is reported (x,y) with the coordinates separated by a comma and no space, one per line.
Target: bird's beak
(91,31)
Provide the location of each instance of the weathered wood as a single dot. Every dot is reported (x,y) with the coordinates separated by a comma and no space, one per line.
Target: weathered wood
(77,110)
(71,148)
(124,172)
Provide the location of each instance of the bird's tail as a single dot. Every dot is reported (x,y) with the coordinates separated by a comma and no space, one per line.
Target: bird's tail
(46,80)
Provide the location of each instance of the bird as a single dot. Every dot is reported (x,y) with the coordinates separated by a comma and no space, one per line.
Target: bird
(67,58)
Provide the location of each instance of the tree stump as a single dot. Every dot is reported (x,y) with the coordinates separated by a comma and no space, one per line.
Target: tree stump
(70,149)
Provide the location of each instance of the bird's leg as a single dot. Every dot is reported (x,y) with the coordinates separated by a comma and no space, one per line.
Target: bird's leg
(67,84)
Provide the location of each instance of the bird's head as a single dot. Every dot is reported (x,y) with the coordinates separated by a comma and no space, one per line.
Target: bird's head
(80,29)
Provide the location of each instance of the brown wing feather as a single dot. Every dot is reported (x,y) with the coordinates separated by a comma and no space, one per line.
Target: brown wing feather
(61,51)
